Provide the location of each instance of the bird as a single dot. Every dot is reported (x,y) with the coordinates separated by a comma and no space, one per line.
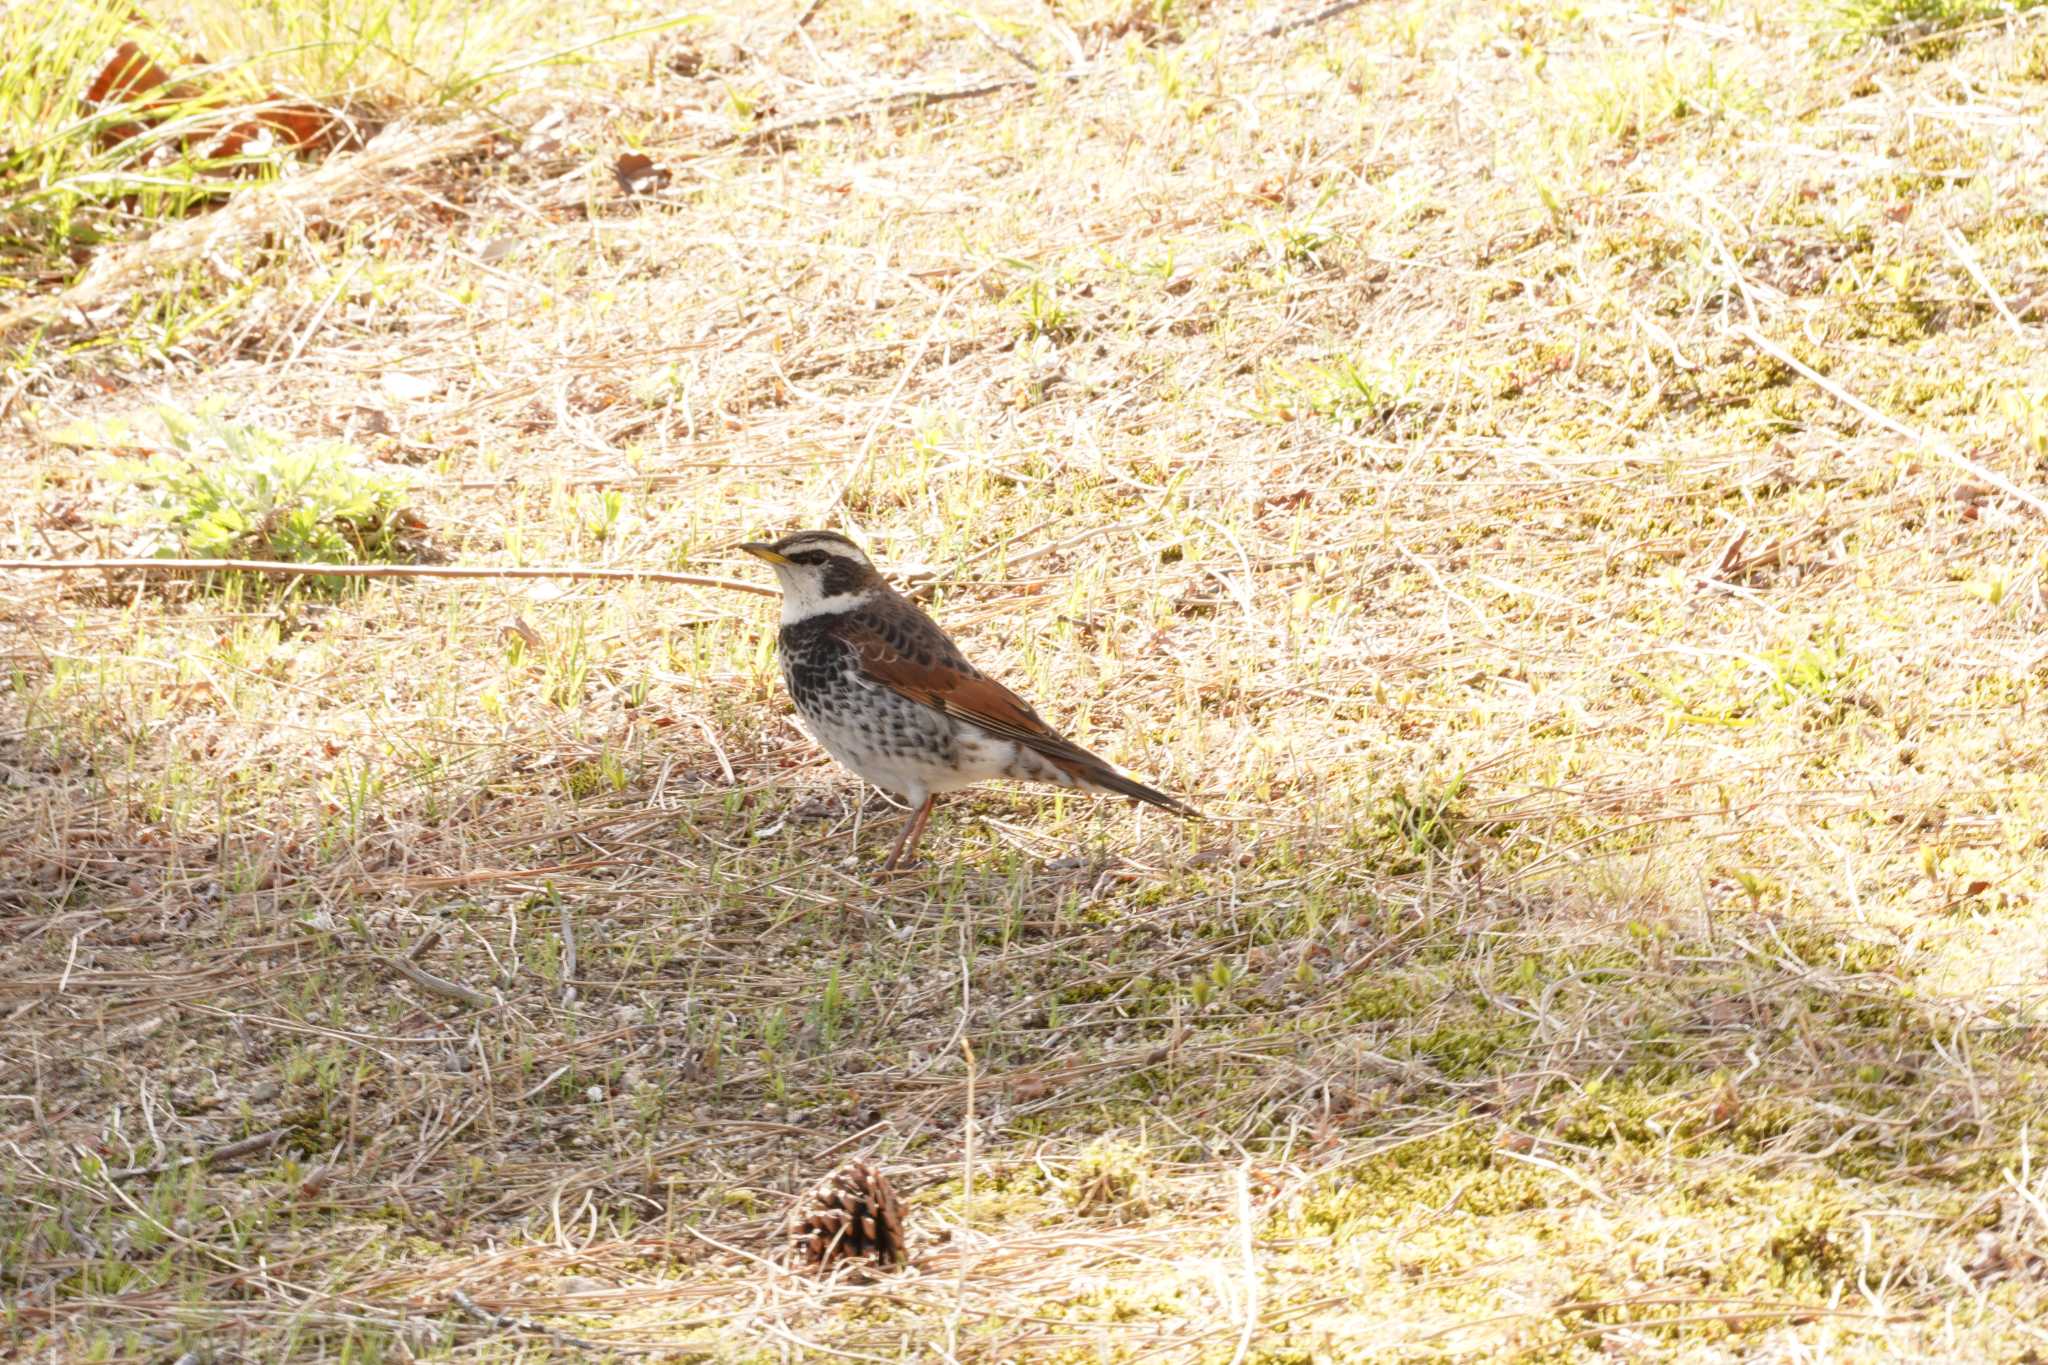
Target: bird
(888,693)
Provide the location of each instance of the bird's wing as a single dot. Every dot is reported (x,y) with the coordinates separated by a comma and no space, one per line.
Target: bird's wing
(908,654)
(914,659)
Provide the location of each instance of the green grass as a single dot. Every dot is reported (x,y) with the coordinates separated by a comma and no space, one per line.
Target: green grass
(78,176)
(1618,928)
(1913,21)
(227,490)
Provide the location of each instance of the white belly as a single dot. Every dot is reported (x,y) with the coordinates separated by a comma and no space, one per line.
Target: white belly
(973,756)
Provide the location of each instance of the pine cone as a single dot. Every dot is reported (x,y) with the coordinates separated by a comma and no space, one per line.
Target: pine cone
(852,1212)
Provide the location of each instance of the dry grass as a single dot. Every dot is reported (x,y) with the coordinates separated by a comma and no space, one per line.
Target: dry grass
(1621,928)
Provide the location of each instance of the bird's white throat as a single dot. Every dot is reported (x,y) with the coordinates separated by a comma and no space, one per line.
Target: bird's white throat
(802,600)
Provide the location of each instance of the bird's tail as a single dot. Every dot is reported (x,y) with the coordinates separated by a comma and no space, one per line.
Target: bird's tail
(1102,777)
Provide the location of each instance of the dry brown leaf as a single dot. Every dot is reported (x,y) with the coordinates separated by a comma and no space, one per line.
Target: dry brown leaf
(637,173)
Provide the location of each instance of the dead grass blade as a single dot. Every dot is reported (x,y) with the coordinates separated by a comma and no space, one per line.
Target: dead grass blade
(293,569)
(328,194)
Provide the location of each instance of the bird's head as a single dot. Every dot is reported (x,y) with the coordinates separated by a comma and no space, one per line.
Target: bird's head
(820,572)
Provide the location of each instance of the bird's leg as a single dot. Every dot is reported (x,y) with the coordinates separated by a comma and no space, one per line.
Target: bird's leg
(924,817)
(913,830)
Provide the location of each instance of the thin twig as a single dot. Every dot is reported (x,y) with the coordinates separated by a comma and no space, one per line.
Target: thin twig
(762,1261)
(1248,1253)
(505,1322)
(1961,250)
(544,1083)
(1327,12)
(967,936)
(437,985)
(1889,423)
(967,1142)
(1008,49)
(836,1148)
(1793,1311)
(226,1152)
(568,956)
(774,132)
(288,570)
(883,104)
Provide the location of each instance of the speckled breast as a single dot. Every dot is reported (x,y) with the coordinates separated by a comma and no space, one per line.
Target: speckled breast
(861,723)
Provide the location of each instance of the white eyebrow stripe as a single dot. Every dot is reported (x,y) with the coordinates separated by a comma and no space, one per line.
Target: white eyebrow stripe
(837,548)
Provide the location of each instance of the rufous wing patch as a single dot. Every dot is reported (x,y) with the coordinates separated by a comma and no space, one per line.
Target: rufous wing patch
(958,690)
(941,679)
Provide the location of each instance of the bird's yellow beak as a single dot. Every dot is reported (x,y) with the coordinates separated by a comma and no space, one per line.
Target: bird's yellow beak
(760,551)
